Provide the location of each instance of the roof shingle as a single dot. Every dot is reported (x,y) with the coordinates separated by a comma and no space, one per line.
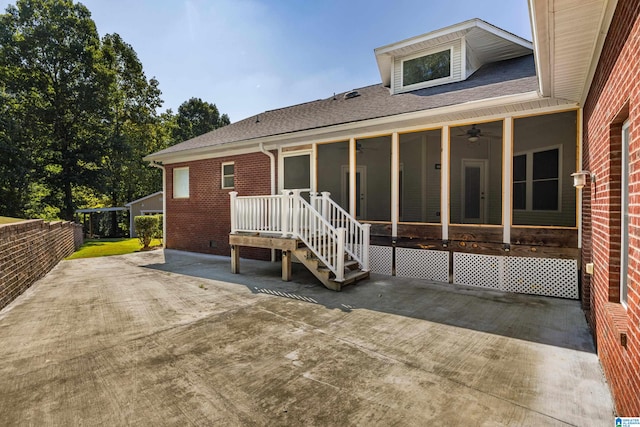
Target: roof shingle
(497,79)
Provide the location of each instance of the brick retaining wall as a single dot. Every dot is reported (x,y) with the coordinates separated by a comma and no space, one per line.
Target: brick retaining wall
(29,250)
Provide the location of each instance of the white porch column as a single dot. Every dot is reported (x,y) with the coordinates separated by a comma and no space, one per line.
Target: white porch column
(395,183)
(352,177)
(579,143)
(507,188)
(444,182)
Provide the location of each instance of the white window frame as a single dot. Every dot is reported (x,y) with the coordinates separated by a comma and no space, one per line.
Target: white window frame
(178,187)
(624,208)
(427,83)
(529,178)
(223,175)
(312,168)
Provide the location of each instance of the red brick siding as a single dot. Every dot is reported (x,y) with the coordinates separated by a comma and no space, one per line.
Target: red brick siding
(194,222)
(29,250)
(614,97)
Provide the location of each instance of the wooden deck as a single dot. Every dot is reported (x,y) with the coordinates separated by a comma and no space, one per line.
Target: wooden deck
(285,244)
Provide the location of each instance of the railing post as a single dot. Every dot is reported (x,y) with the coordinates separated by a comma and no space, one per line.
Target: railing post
(296,211)
(366,228)
(284,217)
(234,220)
(313,200)
(340,255)
(325,206)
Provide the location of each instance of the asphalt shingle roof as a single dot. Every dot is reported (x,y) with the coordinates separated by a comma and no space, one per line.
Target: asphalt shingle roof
(496,79)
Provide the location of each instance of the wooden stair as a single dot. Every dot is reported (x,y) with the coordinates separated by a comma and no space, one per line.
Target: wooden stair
(352,273)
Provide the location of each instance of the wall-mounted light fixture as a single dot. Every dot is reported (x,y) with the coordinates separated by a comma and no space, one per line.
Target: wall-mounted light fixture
(580,178)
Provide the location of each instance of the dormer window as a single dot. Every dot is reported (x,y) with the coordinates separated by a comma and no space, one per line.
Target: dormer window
(426,68)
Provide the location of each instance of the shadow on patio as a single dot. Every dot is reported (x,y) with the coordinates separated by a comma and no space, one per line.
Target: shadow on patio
(545,320)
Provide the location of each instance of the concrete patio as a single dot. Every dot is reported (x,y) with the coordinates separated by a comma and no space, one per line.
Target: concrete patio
(172,338)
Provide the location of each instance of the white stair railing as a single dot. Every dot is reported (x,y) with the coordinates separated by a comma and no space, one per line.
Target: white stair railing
(357,236)
(291,216)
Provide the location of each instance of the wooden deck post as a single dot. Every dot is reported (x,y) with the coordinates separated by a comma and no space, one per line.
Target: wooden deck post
(286,266)
(235,259)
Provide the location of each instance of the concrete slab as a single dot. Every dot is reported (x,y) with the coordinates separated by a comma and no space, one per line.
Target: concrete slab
(172,338)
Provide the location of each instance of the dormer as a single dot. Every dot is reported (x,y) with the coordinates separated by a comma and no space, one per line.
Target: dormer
(449,55)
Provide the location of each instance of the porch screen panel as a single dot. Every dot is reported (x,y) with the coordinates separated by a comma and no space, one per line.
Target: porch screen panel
(420,176)
(332,162)
(544,157)
(373,172)
(476,174)
(297,172)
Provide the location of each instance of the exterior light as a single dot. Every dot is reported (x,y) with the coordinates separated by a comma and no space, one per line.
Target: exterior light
(580,178)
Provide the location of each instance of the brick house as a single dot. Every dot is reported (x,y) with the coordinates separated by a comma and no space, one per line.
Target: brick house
(456,167)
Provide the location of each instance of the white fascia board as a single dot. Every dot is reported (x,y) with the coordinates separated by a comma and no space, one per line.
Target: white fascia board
(425,37)
(348,130)
(212,152)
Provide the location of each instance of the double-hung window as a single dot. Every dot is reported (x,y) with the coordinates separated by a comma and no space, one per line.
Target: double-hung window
(536,180)
(228,173)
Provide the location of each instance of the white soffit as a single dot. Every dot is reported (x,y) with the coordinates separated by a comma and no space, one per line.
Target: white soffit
(568,36)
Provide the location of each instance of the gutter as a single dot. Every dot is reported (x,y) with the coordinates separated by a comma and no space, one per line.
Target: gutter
(164,201)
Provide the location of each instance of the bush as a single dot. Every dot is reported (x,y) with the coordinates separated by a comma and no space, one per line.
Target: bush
(158,234)
(146,228)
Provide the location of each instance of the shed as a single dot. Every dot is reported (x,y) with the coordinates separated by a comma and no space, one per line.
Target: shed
(147,205)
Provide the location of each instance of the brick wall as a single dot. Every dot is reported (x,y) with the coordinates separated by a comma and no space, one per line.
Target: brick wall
(201,222)
(29,250)
(613,98)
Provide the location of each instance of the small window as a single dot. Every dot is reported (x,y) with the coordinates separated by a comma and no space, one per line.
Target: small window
(426,68)
(536,180)
(228,171)
(181,183)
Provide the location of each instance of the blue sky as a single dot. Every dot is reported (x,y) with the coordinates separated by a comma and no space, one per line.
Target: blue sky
(248,56)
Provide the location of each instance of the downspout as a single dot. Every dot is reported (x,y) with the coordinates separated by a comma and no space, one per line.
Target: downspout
(164,201)
(272,159)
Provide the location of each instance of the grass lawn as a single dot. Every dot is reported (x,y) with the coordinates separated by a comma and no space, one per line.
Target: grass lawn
(105,247)
(9,220)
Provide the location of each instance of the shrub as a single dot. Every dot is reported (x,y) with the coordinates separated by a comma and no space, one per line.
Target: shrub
(158,234)
(146,228)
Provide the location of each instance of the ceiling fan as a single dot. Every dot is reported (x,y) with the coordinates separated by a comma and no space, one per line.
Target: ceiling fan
(473,134)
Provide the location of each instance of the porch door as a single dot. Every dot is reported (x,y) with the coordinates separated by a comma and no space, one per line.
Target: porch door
(474,191)
(297,172)
(361,190)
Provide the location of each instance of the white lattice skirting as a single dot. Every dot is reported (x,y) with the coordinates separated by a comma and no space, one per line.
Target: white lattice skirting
(381,259)
(537,276)
(422,264)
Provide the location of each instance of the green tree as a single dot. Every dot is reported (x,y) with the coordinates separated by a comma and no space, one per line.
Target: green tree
(131,125)
(196,117)
(50,66)
(16,165)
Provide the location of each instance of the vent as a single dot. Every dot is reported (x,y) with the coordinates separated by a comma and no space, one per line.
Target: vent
(351,94)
